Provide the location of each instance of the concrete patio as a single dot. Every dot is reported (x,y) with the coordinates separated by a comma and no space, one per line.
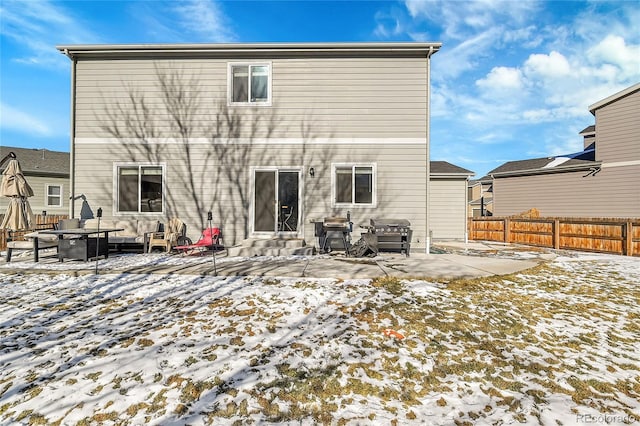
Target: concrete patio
(454,260)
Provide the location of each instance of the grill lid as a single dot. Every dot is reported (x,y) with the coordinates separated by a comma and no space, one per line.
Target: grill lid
(336,222)
(390,223)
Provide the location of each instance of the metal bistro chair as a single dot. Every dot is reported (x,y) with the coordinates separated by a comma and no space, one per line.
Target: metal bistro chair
(286,212)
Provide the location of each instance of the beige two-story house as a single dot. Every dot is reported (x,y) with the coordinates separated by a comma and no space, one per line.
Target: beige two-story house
(47,172)
(603,180)
(268,137)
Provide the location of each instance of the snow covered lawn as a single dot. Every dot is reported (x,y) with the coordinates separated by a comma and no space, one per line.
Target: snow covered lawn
(560,343)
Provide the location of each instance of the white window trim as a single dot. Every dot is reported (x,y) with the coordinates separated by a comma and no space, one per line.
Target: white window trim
(230,83)
(116,166)
(374,190)
(46,194)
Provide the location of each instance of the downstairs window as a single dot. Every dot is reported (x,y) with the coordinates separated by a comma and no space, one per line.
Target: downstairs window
(140,189)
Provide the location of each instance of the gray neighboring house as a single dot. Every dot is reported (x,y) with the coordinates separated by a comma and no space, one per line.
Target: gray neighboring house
(480,197)
(269,137)
(603,180)
(47,172)
(448,201)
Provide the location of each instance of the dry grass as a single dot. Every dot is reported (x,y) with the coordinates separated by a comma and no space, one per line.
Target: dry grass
(513,342)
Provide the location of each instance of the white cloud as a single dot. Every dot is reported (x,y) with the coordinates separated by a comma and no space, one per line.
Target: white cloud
(16,120)
(453,61)
(388,24)
(191,21)
(537,115)
(205,19)
(502,79)
(613,50)
(524,72)
(553,65)
(460,19)
(528,37)
(37,26)
(563,139)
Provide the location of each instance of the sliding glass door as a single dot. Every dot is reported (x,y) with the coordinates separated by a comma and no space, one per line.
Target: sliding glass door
(276,200)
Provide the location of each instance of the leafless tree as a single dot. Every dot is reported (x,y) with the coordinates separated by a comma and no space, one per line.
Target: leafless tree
(179,112)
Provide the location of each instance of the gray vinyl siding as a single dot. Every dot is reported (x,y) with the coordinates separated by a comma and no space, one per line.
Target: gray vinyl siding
(613,192)
(38,202)
(222,177)
(328,97)
(618,130)
(448,208)
(313,100)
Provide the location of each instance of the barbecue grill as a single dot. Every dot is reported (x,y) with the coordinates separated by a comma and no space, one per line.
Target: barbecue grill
(333,229)
(390,235)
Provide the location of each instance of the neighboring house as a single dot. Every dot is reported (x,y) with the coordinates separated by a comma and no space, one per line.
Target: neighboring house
(448,201)
(480,197)
(603,180)
(47,172)
(269,137)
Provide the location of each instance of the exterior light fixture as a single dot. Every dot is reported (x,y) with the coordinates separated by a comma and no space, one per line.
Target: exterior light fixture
(312,171)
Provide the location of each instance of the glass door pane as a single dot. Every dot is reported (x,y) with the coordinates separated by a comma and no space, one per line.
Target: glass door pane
(288,201)
(264,201)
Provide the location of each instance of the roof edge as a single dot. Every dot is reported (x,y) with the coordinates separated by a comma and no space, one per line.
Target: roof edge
(550,170)
(614,97)
(452,174)
(426,48)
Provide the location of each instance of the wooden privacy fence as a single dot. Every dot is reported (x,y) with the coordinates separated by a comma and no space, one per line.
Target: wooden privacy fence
(617,236)
(41,221)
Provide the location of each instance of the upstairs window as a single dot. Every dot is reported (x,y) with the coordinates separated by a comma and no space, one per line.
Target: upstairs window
(354,185)
(53,196)
(250,84)
(140,189)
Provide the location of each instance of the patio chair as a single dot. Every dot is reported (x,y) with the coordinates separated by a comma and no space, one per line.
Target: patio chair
(29,241)
(167,239)
(209,240)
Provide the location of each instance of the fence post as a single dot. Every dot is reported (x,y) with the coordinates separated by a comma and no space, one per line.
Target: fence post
(3,239)
(507,234)
(556,234)
(627,232)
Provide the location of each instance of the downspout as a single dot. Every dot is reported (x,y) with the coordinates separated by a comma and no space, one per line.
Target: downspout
(466,209)
(493,194)
(72,156)
(428,131)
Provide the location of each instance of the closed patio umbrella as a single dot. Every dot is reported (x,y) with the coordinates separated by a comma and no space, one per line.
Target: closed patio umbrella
(14,185)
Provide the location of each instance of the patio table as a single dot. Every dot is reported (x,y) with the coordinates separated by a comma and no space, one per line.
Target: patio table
(80,245)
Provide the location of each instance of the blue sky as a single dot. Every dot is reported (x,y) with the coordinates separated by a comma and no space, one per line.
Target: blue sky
(513,79)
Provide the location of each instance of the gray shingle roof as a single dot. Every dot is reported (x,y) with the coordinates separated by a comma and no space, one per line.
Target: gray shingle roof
(39,161)
(588,129)
(583,160)
(444,167)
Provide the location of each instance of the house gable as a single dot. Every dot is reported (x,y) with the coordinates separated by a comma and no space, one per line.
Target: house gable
(618,126)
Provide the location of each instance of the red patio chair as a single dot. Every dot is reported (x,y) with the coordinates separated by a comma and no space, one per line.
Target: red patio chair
(209,240)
